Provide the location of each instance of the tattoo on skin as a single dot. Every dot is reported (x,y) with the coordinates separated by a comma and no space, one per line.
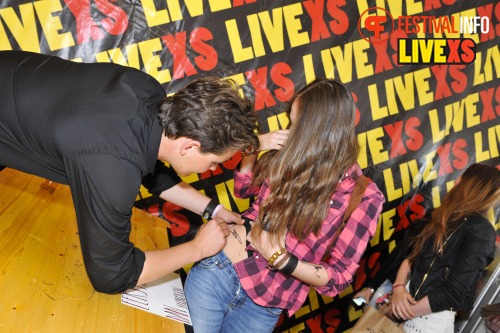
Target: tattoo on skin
(316,267)
(235,234)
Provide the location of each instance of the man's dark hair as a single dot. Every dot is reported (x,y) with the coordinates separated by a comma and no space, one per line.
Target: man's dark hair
(211,111)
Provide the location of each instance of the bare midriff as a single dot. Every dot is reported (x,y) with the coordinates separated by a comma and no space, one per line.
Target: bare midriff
(236,244)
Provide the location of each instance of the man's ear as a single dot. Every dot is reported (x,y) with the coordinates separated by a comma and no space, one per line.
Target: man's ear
(188,145)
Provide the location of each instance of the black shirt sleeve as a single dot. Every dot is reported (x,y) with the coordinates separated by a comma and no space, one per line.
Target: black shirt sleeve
(161,179)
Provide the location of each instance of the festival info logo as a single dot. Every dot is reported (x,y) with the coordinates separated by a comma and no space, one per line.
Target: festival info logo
(375,27)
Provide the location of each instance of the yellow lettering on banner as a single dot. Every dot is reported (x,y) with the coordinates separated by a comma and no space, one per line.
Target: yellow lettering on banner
(455,115)
(279,121)
(429,174)
(405,92)
(240,53)
(371,142)
(217,5)
(51,25)
(294,25)
(153,16)
(384,227)
(436,198)
(402,56)
(412,6)
(309,73)
(132,51)
(425,95)
(297,328)
(223,192)
(483,70)
(392,192)
(256,35)
(376,148)
(378,112)
(437,133)
(273,29)
(313,299)
(363,68)
(343,62)
(4,40)
(492,146)
(152,61)
(302,311)
(25,31)
(194,7)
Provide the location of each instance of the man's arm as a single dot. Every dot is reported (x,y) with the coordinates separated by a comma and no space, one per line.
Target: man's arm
(209,240)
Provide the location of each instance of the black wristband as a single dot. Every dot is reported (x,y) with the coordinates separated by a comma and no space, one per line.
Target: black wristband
(209,210)
(291,265)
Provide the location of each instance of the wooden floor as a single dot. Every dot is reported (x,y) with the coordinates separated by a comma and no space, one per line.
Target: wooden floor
(43,283)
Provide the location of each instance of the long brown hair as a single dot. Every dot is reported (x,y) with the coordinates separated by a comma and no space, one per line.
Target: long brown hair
(303,175)
(477,191)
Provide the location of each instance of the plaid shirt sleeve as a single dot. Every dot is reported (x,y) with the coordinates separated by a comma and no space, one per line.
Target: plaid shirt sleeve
(352,242)
(243,185)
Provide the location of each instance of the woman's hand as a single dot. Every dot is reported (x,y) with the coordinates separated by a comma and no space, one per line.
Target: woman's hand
(273,140)
(366,293)
(401,302)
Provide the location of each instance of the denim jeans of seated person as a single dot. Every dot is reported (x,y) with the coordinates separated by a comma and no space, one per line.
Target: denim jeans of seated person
(218,303)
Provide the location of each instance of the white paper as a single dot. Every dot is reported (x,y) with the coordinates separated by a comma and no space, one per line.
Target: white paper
(164,297)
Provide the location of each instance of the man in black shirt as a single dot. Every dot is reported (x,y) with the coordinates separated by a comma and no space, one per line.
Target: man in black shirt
(100,128)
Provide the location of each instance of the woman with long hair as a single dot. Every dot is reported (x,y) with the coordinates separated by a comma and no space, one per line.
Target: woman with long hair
(303,186)
(450,255)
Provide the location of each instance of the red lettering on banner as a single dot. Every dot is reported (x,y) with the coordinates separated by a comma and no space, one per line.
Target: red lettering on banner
(287,88)
(116,21)
(340,22)
(177,47)
(314,323)
(210,173)
(397,34)
(487,99)
(179,223)
(452,154)
(319,30)
(86,28)
(497,15)
(435,4)
(382,60)
(332,320)
(461,156)
(442,88)
(258,80)
(395,132)
(497,98)
(207,60)
(460,82)
(357,116)
(176,44)
(237,3)
(414,205)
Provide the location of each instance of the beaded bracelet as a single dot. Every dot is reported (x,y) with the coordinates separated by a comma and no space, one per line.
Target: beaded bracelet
(281,262)
(291,265)
(275,256)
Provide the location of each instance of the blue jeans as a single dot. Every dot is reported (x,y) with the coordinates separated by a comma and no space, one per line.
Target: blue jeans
(218,303)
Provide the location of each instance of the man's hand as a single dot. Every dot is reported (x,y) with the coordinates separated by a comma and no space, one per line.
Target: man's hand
(228,216)
(211,238)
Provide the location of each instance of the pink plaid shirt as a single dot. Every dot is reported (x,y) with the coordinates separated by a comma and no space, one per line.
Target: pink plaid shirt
(273,289)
